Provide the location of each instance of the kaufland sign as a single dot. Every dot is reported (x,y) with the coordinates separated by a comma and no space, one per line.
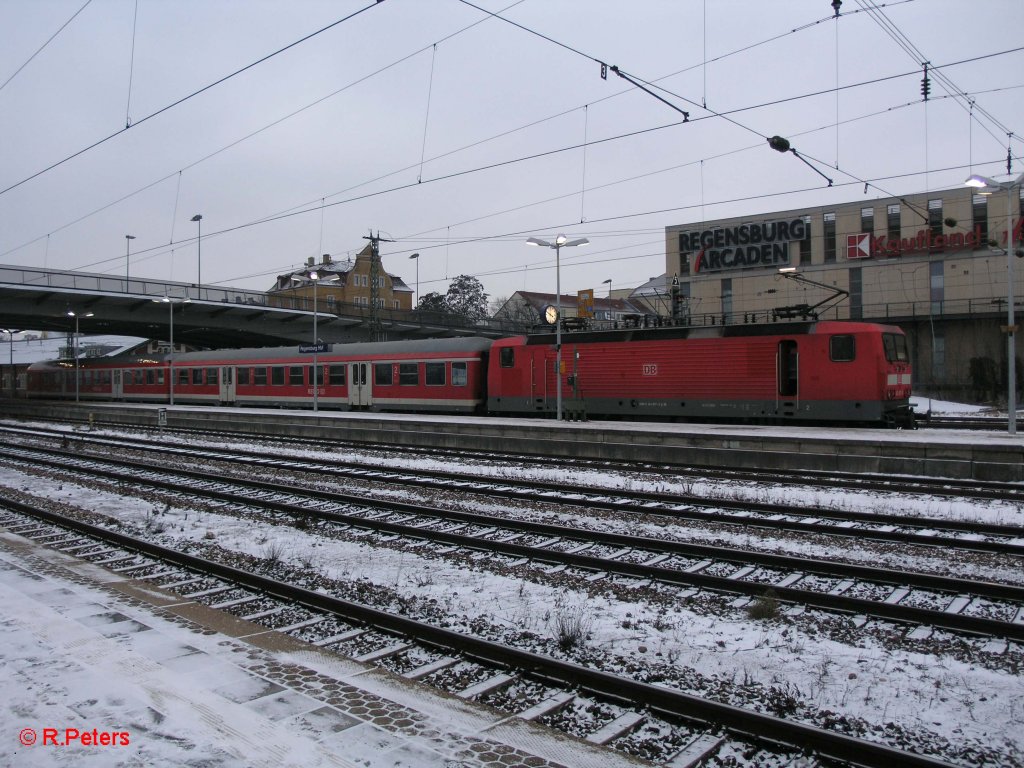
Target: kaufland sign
(865,246)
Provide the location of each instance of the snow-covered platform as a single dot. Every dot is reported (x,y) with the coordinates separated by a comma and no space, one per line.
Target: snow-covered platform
(100,670)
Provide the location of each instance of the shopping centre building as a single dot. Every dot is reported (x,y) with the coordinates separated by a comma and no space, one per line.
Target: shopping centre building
(934,264)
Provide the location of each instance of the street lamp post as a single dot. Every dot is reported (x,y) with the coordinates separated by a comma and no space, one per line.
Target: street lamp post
(608,282)
(315,277)
(416,256)
(14,386)
(561,241)
(983,183)
(170,357)
(127,255)
(198,219)
(78,376)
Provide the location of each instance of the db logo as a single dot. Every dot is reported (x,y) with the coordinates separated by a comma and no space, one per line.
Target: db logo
(650,369)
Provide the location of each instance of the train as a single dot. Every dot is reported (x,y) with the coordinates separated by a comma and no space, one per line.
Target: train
(816,372)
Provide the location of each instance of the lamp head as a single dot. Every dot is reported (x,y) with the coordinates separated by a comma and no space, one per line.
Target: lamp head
(414,256)
(197,217)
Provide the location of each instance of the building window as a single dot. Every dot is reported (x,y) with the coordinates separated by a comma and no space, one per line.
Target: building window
(684,254)
(938,287)
(867,221)
(829,237)
(938,354)
(892,222)
(726,299)
(856,294)
(979,219)
(935,224)
(805,244)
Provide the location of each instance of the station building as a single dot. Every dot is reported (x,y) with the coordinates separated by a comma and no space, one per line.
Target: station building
(934,264)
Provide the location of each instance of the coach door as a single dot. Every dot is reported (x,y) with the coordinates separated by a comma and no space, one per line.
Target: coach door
(359,387)
(227,384)
(788,368)
(116,387)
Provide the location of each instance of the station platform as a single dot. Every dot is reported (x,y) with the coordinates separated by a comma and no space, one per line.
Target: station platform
(101,670)
(958,454)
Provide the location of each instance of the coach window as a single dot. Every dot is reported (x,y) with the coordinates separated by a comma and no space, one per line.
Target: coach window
(337,375)
(128,380)
(409,374)
(150,376)
(318,371)
(434,374)
(183,376)
(259,377)
(243,376)
(277,375)
(382,375)
(460,374)
(296,375)
(842,349)
(507,357)
(160,377)
(211,375)
(197,375)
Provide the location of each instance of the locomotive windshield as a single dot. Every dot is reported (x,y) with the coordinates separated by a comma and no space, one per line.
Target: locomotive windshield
(895,347)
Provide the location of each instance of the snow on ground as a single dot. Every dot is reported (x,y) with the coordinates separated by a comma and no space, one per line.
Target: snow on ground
(962,701)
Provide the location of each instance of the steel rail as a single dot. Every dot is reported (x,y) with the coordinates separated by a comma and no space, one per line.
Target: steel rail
(831,479)
(675,703)
(896,612)
(595,498)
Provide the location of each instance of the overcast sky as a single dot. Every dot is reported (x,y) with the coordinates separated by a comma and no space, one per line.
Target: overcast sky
(459,135)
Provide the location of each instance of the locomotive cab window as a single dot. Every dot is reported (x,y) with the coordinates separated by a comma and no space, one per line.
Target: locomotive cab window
(434,374)
(408,374)
(895,348)
(842,349)
(507,357)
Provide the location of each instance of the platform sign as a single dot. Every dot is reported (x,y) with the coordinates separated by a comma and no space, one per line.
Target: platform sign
(585,303)
(314,348)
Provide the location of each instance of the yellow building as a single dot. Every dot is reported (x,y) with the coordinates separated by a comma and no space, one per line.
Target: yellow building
(343,287)
(935,264)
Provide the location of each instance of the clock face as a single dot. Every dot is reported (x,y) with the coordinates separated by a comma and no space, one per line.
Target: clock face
(551,315)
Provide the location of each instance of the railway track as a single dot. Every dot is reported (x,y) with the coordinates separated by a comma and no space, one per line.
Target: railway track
(959,605)
(896,527)
(940,487)
(476,668)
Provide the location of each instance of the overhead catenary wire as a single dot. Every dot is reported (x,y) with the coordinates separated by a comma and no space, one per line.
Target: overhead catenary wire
(192,95)
(48,41)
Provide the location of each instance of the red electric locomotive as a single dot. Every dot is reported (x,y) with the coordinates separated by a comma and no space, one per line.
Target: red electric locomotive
(827,371)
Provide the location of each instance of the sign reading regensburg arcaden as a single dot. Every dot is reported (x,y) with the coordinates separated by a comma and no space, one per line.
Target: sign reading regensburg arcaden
(746,246)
